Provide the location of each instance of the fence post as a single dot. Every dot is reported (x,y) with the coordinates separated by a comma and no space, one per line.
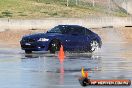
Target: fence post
(126,6)
(67,3)
(109,7)
(76,2)
(37,0)
(93,3)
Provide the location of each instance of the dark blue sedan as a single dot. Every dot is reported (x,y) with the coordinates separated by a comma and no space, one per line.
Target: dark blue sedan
(72,37)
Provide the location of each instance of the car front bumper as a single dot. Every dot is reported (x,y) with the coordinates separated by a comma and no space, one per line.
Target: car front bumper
(35,46)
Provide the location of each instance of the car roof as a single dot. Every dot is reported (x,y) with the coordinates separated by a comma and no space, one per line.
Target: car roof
(71,25)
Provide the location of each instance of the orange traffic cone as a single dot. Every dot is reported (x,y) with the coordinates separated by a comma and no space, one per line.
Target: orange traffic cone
(61,54)
(86,74)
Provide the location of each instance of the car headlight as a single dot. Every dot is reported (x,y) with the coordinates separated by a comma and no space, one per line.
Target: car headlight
(43,39)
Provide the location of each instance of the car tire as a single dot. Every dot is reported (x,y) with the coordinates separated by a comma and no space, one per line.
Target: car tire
(94,45)
(54,46)
(28,51)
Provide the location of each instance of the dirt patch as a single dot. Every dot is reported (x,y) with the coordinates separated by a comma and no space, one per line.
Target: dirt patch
(123,34)
(126,33)
(12,38)
(102,33)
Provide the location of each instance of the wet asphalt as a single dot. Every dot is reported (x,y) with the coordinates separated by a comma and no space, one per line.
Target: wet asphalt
(43,70)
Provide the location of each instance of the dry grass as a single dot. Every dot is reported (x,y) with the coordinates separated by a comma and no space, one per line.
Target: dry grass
(28,9)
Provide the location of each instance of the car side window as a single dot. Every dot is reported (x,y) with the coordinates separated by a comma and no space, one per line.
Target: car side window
(65,30)
(76,30)
(80,30)
(69,30)
(55,30)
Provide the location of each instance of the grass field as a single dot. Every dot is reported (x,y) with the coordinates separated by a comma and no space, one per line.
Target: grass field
(28,9)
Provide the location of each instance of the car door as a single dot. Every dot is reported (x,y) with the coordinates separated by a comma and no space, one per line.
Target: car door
(75,38)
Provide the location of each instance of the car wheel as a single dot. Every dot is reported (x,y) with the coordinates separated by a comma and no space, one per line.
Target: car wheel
(94,45)
(28,51)
(54,46)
